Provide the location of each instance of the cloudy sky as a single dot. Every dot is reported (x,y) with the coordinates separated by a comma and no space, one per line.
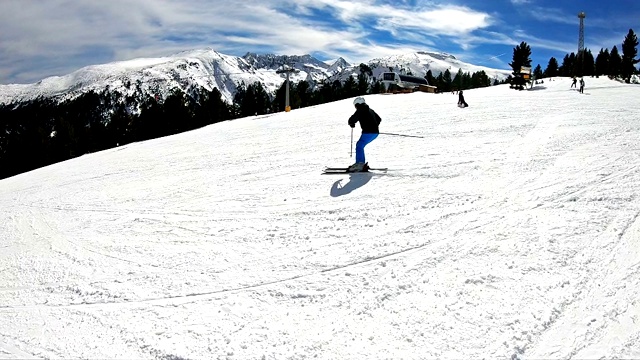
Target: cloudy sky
(55,37)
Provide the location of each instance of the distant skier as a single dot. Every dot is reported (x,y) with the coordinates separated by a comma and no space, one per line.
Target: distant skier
(581,86)
(369,122)
(461,102)
(573,84)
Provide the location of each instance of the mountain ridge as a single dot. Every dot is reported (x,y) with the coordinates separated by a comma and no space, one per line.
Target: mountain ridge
(211,69)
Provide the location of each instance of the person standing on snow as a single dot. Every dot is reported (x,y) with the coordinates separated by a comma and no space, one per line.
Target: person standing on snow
(581,85)
(573,84)
(461,102)
(369,122)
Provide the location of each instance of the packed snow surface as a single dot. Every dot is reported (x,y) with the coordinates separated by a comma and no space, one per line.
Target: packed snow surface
(509,230)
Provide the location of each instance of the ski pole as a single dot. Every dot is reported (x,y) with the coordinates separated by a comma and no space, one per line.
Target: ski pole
(415,136)
(351,151)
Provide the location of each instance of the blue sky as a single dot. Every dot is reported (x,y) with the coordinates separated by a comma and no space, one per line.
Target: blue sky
(55,37)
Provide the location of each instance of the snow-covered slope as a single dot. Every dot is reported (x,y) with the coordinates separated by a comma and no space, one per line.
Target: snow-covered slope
(208,68)
(511,230)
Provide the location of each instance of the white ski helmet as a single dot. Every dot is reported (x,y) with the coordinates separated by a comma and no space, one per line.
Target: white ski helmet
(358,100)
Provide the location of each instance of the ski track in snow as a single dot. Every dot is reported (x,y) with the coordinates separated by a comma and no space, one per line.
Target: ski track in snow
(510,231)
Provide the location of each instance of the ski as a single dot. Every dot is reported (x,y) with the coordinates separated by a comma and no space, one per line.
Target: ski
(346,168)
(332,171)
(341,172)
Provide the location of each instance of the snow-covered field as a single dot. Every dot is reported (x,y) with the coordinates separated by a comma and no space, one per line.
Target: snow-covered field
(510,230)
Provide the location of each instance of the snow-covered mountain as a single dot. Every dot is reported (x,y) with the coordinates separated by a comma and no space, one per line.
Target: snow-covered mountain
(210,69)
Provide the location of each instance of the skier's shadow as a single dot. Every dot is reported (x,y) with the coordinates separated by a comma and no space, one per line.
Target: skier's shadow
(355,181)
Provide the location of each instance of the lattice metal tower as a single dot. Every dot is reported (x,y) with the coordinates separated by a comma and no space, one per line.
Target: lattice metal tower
(581,16)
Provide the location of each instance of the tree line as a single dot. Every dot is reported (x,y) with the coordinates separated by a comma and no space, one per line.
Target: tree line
(460,81)
(607,63)
(44,131)
(254,99)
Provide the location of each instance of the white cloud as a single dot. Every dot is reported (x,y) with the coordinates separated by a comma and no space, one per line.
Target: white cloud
(71,33)
(42,38)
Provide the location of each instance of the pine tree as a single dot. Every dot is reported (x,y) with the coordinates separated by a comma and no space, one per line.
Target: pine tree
(629,53)
(552,68)
(350,88)
(588,63)
(602,62)
(444,81)
(479,79)
(377,87)
(568,67)
(241,93)
(467,82)
(363,78)
(337,91)
(521,58)
(255,101)
(118,121)
(151,123)
(210,108)
(537,72)
(430,78)
(615,63)
(303,93)
(217,108)
(176,112)
(457,82)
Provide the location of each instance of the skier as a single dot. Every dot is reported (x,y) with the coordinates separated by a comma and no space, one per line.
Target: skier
(369,122)
(461,102)
(573,84)
(581,85)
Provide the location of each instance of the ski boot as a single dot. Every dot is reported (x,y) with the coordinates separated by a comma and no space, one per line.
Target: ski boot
(358,167)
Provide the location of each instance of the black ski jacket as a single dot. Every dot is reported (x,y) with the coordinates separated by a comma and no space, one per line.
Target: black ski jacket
(368,119)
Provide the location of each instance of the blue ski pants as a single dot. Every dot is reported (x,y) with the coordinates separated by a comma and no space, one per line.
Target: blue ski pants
(362,142)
